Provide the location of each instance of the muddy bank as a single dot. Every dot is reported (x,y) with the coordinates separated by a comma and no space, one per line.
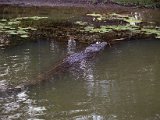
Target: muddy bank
(87,25)
(49,2)
(79,3)
(70,3)
(52,2)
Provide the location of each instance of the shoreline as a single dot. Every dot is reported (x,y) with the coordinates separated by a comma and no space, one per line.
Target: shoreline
(70,4)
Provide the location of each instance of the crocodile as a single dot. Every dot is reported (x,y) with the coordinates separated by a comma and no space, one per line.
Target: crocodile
(88,53)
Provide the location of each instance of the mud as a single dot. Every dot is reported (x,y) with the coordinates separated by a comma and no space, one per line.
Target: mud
(69,3)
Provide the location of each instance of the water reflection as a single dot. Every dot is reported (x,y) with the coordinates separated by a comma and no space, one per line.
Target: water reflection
(119,90)
(19,65)
(97,90)
(23,63)
(20,106)
(122,83)
(85,70)
(4,40)
(71,46)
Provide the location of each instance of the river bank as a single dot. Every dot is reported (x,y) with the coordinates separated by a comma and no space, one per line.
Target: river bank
(83,3)
(85,23)
(120,83)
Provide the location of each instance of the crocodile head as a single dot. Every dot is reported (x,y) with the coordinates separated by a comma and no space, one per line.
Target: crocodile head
(88,52)
(96,47)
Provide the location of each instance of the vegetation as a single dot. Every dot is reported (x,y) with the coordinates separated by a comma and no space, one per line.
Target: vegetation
(126,24)
(147,3)
(14,26)
(85,26)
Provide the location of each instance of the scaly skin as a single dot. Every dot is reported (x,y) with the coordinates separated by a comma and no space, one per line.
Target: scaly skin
(68,62)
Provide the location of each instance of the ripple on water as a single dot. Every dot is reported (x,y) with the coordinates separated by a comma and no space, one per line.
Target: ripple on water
(122,83)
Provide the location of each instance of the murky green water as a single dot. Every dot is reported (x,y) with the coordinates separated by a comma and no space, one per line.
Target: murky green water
(122,83)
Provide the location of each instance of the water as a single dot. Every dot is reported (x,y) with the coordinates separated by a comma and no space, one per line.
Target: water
(24,62)
(122,83)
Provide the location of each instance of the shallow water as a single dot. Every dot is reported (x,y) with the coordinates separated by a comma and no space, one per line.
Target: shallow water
(122,83)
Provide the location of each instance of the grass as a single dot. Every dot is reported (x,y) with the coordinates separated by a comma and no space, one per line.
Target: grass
(132,25)
(147,3)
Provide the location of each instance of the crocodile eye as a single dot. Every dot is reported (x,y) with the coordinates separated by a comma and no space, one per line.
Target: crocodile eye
(97,42)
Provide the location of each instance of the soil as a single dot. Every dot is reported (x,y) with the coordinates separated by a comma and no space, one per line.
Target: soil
(46,2)
(53,3)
